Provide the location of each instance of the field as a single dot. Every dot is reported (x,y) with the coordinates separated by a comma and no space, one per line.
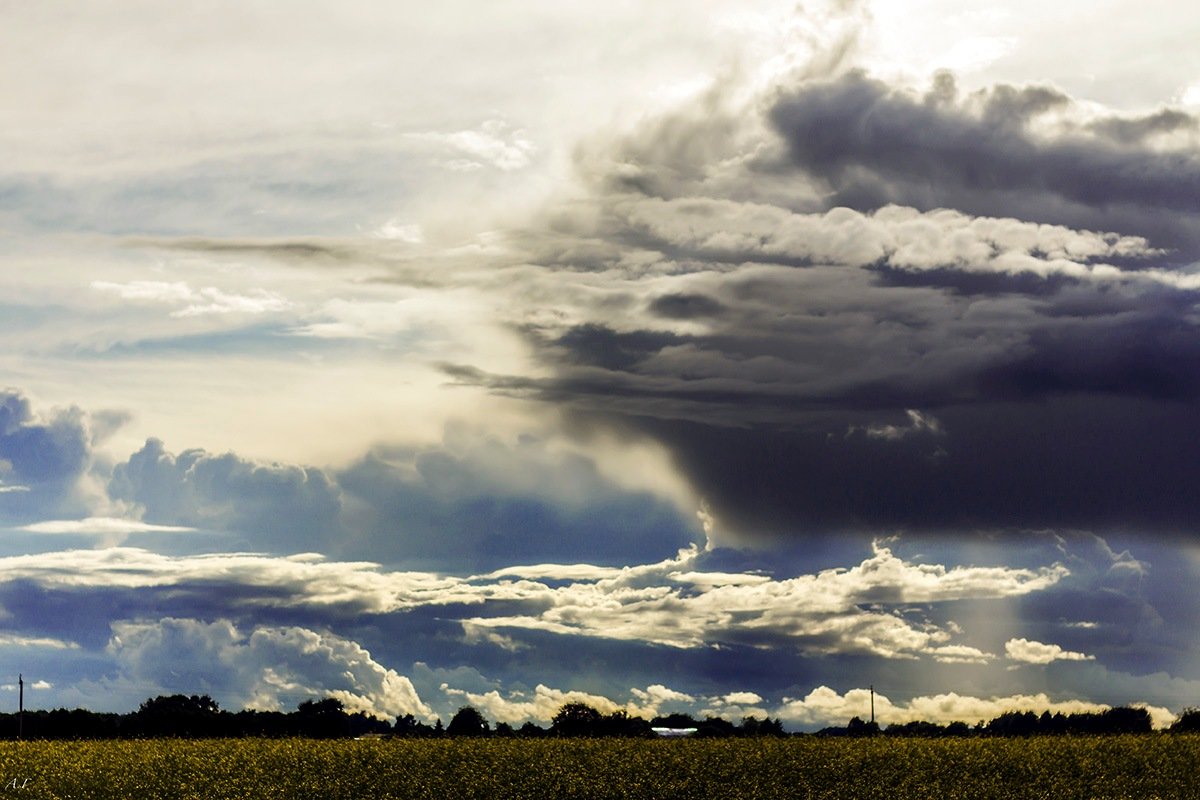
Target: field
(1136,767)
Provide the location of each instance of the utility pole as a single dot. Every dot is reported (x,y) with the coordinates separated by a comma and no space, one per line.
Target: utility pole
(20,706)
(872,704)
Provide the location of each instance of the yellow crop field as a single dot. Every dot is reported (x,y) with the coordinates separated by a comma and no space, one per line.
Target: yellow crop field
(1126,767)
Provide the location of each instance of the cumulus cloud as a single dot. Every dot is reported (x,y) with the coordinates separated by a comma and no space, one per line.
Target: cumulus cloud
(480,502)
(543,702)
(894,236)
(824,706)
(45,458)
(865,609)
(991,150)
(834,611)
(742,698)
(39,449)
(267,667)
(281,504)
(1029,652)
(470,502)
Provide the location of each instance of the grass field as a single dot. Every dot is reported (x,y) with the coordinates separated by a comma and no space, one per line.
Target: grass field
(1135,767)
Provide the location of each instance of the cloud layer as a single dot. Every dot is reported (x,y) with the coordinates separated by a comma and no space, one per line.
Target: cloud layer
(725,358)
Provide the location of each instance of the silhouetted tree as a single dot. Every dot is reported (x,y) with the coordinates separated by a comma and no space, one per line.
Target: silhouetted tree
(1187,722)
(468,722)
(1124,719)
(322,719)
(411,727)
(177,715)
(714,728)
(619,723)
(958,729)
(250,722)
(917,728)
(575,719)
(857,727)
(532,730)
(1013,723)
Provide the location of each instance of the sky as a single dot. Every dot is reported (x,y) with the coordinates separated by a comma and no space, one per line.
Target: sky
(725,358)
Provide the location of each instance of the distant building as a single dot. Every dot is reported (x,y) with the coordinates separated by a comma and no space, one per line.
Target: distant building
(674,733)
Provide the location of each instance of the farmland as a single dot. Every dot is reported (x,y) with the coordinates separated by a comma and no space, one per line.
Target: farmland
(1134,767)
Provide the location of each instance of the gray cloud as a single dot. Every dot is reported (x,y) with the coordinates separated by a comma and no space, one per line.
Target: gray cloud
(45,458)
(678,602)
(1006,263)
(272,631)
(873,145)
(290,507)
(478,503)
(37,449)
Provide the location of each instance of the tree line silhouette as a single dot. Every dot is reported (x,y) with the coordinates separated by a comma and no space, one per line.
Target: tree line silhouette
(199,716)
(1026,723)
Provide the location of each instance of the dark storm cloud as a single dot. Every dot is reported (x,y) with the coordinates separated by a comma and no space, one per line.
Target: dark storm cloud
(686,306)
(1010,278)
(974,283)
(874,145)
(1065,420)
(601,346)
(1137,129)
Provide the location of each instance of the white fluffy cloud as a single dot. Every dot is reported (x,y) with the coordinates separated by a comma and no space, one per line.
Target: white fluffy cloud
(833,611)
(543,702)
(897,236)
(1030,652)
(267,668)
(824,706)
(101,526)
(669,603)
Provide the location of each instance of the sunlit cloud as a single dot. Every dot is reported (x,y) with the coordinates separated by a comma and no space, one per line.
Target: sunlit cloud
(824,706)
(189,302)
(101,526)
(597,359)
(824,613)
(16,640)
(267,668)
(1030,652)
